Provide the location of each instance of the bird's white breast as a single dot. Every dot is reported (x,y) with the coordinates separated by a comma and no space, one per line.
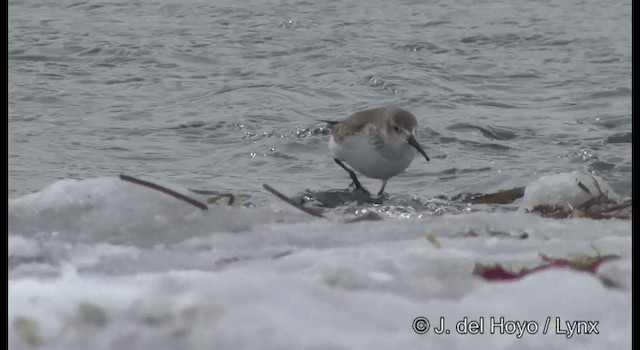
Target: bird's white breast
(374,162)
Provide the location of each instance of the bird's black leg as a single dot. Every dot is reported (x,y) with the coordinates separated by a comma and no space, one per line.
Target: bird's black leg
(352,175)
(381,193)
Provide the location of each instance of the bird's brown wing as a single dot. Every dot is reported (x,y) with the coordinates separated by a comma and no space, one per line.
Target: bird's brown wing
(354,124)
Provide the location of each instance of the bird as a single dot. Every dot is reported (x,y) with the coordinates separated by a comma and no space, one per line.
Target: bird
(379,143)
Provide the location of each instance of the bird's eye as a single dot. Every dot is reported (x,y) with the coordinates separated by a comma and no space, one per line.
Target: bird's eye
(397,129)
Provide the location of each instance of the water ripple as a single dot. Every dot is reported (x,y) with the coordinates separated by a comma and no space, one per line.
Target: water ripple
(532,88)
(490,132)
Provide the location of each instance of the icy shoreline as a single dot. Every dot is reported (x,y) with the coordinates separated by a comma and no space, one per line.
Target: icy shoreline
(279,279)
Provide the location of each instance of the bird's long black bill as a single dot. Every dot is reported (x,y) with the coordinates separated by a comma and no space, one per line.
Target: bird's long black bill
(412,141)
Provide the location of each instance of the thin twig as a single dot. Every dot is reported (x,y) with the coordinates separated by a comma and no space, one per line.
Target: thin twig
(583,187)
(165,190)
(289,201)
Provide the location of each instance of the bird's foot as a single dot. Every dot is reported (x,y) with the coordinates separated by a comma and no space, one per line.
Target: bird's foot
(359,189)
(362,190)
(383,195)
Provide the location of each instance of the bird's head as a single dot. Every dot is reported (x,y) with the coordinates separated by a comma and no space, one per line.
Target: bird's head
(403,126)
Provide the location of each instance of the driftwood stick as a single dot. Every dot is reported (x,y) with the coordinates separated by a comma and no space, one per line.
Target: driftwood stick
(165,190)
(290,202)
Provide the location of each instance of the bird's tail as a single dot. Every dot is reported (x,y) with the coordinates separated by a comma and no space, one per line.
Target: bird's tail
(330,123)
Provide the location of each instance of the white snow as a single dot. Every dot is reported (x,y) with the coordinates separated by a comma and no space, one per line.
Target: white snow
(560,189)
(131,268)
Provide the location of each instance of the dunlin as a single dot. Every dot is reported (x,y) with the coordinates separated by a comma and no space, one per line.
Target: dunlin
(379,143)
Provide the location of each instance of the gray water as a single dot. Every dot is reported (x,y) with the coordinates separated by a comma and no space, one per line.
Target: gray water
(223,95)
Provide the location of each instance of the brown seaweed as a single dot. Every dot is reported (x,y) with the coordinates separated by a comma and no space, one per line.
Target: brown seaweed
(501,197)
(598,208)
